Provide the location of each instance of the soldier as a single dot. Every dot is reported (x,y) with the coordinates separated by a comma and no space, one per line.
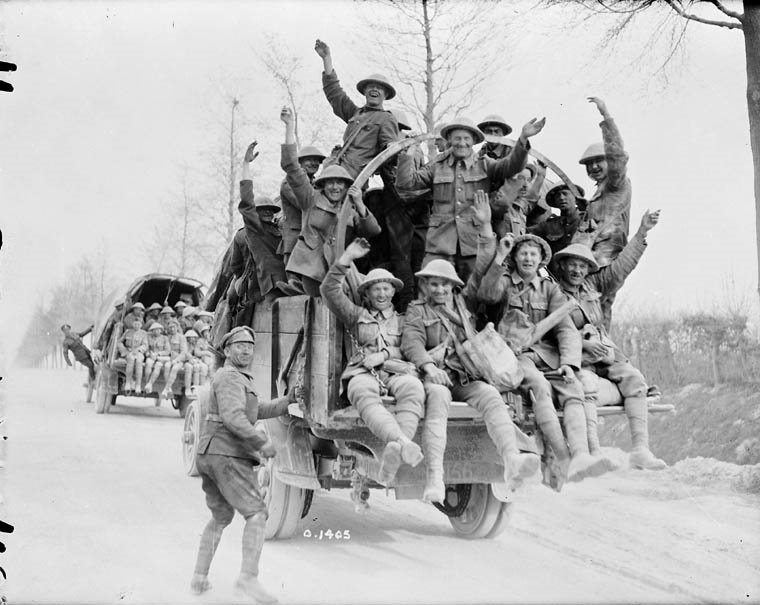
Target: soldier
(370,128)
(179,307)
(195,370)
(430,329)
(205,317)
(320,203)
(187,317)
(72,341)
(202,349)
(177,354)
(151,314)
(375,330)
(441,144)
(229,450)
(310,159)
(261,233)
(527,298)
(166,315)
(514,200)
(494,128)
(159,353)
(133,346)
(136,310)
(582,280)
(453,177)
(610,206)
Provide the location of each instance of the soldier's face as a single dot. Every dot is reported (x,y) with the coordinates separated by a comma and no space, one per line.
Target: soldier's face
(240,353)
(441,144)
(528,259)
(496,131)
(574,270)
(335,190)
(439,290)
(596,168)
(173,329)
(266,215)
(522,180)
(380,295)
(207,320)
(461,142)
(310,165)
(375,94)
(565,200)
(137,324)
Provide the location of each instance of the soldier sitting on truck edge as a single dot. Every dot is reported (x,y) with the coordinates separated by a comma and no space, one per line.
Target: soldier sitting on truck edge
(229,449)
(453,177)
(178,355)
(375,330)
(610,206)
(133,346)
(151,314)
(72,341)
(159,353)
(136,310)
(581,279)
(196,371)
(320,203)
(526,298)
(428,341)
(369,129)
(166,315)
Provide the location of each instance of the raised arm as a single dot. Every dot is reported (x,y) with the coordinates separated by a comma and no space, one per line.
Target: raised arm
(501,170)
(342,105)
(486,247)
(496,279)
(332,286)
(247,206)
(304,194)
(364,222)
(617,158)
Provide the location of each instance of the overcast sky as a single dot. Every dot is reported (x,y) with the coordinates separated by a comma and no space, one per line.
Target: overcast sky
(112,99)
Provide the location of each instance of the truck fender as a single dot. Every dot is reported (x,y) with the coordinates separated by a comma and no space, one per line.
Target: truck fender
(294,462)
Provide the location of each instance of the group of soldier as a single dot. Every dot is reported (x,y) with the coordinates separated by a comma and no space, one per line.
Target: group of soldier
(475,229)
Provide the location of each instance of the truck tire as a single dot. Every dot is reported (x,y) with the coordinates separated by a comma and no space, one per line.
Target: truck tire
(103,399)
(285,503)
(191,434)
(484,516)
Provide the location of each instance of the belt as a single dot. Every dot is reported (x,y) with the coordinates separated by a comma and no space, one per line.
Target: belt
(214,417)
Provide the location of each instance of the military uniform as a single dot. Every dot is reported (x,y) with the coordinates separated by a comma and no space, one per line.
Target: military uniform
(73,342)
(263,239)
(133,346)
(320,219)
(159,353)
(453,229)
(368,130)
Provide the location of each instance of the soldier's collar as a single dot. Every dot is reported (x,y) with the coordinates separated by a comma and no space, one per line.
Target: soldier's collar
(469,161)
(516,280)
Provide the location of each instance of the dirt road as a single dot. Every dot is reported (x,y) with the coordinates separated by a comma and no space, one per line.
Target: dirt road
(104,513)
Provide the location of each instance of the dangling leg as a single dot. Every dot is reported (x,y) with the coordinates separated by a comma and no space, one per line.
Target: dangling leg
(410,399)
(138,373)
(486,399)
(148,371)
(434,440)
(188,377)
(590,383)
(129,385)
(203,368)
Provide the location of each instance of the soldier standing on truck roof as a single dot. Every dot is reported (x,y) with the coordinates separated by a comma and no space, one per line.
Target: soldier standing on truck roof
(431,329)
(229,450)
(606,164)
(261,233)
(375,330)
(369,129)
(454,176)
(581,279)
(548,365)
(320,203)
(310,159)
(72,341)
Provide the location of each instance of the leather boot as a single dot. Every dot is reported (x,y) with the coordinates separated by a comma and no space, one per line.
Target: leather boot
(582,463)
(638,419)
(434,446)
(592,422)
(253,541)
(210,537)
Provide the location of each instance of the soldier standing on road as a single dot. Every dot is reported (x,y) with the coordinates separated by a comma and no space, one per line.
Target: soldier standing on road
(369,129)
(454,176)
(610,206)
(72,341)
(229,449)
(581,279)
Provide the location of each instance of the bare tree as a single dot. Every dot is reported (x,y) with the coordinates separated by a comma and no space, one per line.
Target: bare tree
(442,53)
(716,13)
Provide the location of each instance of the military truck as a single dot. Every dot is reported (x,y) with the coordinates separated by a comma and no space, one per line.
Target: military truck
(109,327)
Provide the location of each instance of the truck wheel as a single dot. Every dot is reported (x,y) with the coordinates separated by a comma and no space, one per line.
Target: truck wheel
(191,434)
(284,502)
(103,399)
(483,517)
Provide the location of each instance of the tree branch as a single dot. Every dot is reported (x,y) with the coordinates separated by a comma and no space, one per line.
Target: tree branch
(676,6)
(729,13)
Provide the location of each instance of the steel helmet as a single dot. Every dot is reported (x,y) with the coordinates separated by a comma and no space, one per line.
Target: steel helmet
(440,268)
(580,251)
(155,326)
(264,202)
(539,241)
(333,172)
(495,120)
(379,275)
(595,150)
(168,310)
(311,152)
(191,334)
(155,306)
(553,193)
(379,79)
(465,123)
(138,305)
